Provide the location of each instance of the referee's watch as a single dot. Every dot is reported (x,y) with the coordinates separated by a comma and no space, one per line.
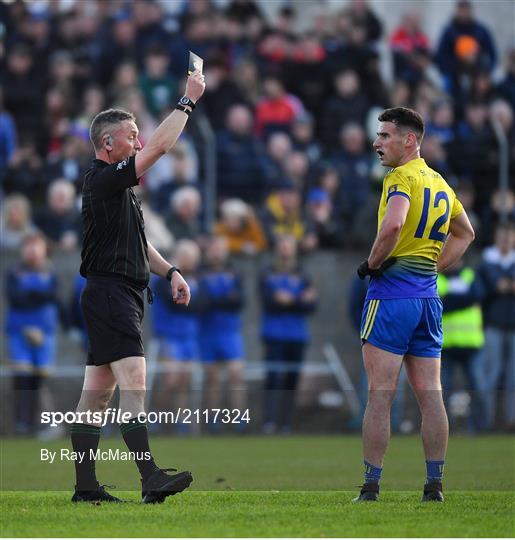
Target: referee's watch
(170,272)
(185,102)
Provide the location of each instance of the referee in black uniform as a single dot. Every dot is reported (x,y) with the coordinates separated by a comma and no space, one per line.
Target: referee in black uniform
(117,261)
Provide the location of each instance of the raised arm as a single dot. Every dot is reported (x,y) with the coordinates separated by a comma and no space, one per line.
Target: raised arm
(461,234)
(167,133)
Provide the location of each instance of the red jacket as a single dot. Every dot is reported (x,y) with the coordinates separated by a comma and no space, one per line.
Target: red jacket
(402,41)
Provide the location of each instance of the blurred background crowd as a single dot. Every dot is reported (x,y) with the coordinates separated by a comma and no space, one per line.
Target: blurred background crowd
(275,168)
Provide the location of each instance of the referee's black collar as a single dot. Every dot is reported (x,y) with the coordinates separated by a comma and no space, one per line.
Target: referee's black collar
(100,163)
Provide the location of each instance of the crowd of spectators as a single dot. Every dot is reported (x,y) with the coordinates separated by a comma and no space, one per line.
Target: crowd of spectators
(288,108)
(293,112)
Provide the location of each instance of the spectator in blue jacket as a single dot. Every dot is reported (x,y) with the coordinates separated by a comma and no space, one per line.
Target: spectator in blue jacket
(288,297)
(240,157)
(221,338)
(465,47)
(177,328)
(32,321)
(349,104)
(354,165)
(496,366)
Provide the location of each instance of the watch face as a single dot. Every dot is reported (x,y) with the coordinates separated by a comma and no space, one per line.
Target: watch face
(184,100)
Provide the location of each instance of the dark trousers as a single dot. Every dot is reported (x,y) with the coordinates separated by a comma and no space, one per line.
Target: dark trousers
(464,358)
(283,361)
(26,402)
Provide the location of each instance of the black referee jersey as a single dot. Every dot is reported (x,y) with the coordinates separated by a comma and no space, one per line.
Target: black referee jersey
(114,242)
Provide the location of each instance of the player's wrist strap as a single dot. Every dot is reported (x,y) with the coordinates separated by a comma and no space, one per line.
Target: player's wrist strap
(170,272)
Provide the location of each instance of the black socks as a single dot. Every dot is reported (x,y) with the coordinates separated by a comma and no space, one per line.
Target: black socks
(85,439)
(135,435)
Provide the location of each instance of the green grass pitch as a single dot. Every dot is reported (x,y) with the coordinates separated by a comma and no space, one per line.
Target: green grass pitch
(262,487)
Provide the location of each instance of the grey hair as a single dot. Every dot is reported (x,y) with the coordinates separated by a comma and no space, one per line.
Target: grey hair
(103,121)
(183,195)
(61,184)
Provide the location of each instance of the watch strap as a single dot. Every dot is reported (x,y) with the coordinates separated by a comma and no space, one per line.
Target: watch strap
(185,100)
(183,109)
(170,272)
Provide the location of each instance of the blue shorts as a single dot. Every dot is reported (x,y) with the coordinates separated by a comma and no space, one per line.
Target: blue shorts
(38,356)
(404,326)
(182,350)
(221,347)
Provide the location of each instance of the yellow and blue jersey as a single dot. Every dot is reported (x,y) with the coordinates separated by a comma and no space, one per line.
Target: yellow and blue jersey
(432,205)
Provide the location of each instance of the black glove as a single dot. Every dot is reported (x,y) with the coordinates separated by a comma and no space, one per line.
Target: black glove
(364,270)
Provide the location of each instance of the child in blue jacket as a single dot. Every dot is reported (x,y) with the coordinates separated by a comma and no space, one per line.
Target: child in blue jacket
(221,332)
(177,328)
(31,327)
(288,298)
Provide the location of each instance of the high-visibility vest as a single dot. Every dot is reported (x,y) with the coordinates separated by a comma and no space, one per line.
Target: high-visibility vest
(463,327)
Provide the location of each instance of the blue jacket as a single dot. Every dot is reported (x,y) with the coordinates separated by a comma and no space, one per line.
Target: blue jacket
(170,320)
(354,171)
(445,56)
(32,298)
(222,301)
(280,322)
(240,166)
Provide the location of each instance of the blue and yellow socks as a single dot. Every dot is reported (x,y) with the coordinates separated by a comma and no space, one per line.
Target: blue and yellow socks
(372,473)
(434,470)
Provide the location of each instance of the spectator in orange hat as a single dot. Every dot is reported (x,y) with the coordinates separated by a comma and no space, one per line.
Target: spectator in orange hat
(465,47)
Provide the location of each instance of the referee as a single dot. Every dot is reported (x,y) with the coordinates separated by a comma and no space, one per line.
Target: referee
(117,261)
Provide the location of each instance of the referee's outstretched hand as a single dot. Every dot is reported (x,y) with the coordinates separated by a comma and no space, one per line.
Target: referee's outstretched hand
(195,85)
(364,270)
(180,289)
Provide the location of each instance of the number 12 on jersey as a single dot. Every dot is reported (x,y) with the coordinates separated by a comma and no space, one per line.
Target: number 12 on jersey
(440,221)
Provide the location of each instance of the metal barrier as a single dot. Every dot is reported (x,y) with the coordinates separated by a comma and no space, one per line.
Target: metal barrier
(210,169)
(504,157)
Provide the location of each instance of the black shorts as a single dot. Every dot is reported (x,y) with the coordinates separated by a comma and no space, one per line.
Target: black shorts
(113,312)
